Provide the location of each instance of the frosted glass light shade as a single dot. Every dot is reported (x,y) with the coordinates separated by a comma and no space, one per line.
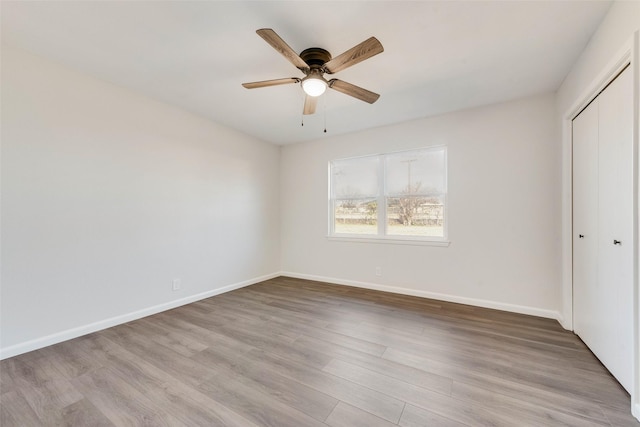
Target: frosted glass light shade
(314,86)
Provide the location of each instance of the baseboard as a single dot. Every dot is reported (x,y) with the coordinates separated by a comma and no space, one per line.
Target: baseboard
(533,311)
(635,410)
(68,334)
(560,319)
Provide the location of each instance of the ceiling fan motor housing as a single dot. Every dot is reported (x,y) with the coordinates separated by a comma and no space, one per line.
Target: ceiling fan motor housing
(316,57)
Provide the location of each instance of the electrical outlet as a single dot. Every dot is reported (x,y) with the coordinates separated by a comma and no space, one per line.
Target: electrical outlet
(378,271)
(176,285)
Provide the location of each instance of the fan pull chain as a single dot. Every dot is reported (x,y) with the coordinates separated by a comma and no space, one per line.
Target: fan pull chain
(324,102)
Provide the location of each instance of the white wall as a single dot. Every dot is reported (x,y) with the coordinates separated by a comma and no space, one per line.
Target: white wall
(504,210)
(107,196)
(622,20)
(619,27)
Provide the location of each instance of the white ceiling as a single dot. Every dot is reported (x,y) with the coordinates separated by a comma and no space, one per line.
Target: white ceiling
(439,56)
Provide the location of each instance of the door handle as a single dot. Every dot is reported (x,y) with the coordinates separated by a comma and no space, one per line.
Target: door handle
(581,236)
(617,242)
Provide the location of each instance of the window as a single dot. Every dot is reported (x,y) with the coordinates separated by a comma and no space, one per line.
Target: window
(398,196)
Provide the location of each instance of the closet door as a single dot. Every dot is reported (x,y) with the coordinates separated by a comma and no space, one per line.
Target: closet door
(615,254)
(587,318)
(603,227)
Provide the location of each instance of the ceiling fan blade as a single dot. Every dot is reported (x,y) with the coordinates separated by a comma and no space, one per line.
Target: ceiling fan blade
(265,83)
(310,103)
(356,54)
(281,46)
(353,90)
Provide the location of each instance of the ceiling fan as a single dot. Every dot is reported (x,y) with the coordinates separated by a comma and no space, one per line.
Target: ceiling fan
(314,63)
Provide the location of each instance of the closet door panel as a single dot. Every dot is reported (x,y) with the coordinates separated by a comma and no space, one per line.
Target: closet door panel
(586,318)
(616,224)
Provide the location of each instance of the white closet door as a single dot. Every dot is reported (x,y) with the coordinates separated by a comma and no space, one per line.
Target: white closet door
(586,316)
(603,227)
(615,255)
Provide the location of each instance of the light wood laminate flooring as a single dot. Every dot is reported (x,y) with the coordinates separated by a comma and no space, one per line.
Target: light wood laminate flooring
(290,352)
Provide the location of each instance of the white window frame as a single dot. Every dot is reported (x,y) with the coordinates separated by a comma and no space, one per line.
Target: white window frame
(382,236)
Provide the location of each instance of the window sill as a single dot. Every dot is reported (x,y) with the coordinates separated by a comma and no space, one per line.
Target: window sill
(389,241)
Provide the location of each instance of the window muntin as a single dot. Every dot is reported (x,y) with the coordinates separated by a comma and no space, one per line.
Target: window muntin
(391,196)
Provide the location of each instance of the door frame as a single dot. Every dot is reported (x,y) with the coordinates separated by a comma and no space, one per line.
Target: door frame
(628,55)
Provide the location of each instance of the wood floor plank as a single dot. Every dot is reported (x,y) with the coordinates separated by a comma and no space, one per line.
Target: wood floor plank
(328,349)
(388,384)
(184,402)
(369,400)
(576,384)
(260,408)
(291,352)
(542,394)
(83,413)
(356,311)
(161,357)
(268,328)
(259,304)
(7,383)
(400,371)
(325,335)
(69,359)
(256,374)
(412,416)
(271,343)
(176,341)
(207,337)
(347,415)
(524,411)
(544,397)
(49,399)
(16,412)
(467,352)
(417,396)
(140,372)
(519,348)
(120,402)
(24,372)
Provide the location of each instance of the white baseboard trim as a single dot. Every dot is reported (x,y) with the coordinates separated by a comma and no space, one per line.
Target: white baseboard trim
(61,336)
(533,311)
(635,410)
(562,322)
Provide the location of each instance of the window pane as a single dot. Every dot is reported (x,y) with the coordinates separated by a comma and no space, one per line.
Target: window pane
(410,188)
(356,216)
(420,172)
(415,216)
(355,178)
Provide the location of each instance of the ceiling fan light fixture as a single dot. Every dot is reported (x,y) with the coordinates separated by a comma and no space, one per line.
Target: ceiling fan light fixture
(314,85)
(315,62)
